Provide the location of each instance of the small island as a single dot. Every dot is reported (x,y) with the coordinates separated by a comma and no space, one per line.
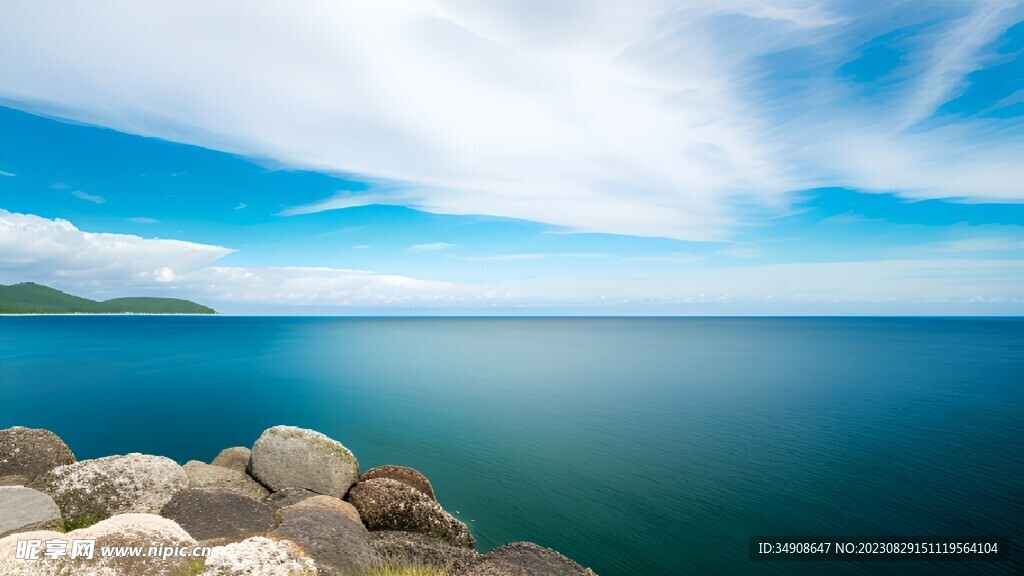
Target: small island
(32,298)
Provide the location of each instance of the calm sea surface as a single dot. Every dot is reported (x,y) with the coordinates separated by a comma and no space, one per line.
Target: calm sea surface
(635,446)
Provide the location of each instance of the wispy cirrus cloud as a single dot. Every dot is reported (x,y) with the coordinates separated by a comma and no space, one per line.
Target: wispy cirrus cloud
(431,247)
(7,174)
(95,199)
(143,220)
(651,118)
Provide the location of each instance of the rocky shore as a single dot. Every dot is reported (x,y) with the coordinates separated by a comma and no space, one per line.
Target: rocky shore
(295,504)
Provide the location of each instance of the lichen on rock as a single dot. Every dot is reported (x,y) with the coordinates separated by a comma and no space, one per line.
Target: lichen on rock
(290,457)
(104,487)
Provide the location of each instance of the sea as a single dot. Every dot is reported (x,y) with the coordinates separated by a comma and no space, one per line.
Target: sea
(635,446)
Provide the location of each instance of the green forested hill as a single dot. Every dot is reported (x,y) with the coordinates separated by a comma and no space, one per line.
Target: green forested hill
(31,298)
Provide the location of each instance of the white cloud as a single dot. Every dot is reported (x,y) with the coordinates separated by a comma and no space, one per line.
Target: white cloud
(648,117)
(60,186)
(88,197)
(56,253)
(361,247)
(907,285)
(241,206)
(143,220)
(35,248)
(8,174)
(533,256)
(432,247)
(572,116)
(329,287)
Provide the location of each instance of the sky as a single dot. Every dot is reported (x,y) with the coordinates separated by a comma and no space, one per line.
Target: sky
(518,157)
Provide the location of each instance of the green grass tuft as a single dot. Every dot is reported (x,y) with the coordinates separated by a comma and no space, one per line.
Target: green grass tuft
(77,523)
(407,570)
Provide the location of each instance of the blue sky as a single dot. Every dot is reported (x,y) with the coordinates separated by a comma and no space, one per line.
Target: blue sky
(453,157)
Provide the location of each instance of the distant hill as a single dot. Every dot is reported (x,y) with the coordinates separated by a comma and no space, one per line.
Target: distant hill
(32,298)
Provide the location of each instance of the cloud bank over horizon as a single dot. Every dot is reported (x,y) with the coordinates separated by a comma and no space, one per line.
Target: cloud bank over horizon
(110,265)
(56,253)
(667,119)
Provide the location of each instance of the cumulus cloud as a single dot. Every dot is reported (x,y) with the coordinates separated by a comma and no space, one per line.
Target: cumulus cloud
(89,197)
(56,253)
(432,247)
(35,248)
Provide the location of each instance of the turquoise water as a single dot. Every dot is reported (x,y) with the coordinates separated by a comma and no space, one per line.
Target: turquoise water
(635,446)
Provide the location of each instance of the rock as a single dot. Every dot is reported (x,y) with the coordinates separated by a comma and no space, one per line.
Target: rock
(144,530)
(259,557)
(331,503)
(24,509)
(410,549)
(336,543)
(219,515)
(287,497)
(236,459)
(289,457)
(405,475)
(525,559)
(92,490)
(26,453)
(201,475)
(386,504)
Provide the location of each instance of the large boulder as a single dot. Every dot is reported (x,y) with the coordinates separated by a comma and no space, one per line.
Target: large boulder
(386,504)
(92,490)
(331,503)
(259,556)
(24,509)
(131,530)
(236,458)
(338,544)
(219,515)
(525,559)
(289,457)
(411,549)
(403,474)
(287,497)
(202,475)
(26,453)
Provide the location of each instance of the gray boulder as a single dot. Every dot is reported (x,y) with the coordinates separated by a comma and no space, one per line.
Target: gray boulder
(289,457)
(399,549)
(202,475)
(331,503)
(26,453)
(403,474)
(525,559)
(130,530)
(218,515)
(92,490)
(287,497)
(386,504)
(333,540)
(236,458)
(24,509)
(259,556)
